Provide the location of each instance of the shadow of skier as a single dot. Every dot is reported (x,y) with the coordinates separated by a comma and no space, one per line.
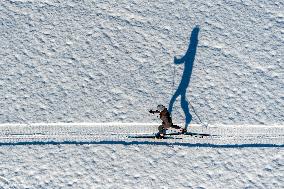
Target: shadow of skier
(188,60)
(127,143)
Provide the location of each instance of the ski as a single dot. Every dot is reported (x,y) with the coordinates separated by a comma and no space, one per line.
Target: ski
(201,135)
(154,136)
(169,135)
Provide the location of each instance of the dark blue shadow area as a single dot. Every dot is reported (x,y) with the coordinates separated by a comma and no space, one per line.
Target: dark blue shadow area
(187,60)
(205,145)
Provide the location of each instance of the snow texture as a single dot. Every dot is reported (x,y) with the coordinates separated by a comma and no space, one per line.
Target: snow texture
(102,133)
(139,166)
(105,61)
(85,156)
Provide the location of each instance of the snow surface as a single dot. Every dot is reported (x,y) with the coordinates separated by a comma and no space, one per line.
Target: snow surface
(105,61)
(86,155)
(140,166)
(100,133)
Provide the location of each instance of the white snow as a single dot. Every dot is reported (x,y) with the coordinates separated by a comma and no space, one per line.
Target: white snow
(93,155)
(67,64)
(139,166)
(104,61)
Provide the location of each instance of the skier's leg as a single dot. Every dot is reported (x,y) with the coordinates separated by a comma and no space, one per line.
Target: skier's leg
(162,132)
(162,129)
(175,126)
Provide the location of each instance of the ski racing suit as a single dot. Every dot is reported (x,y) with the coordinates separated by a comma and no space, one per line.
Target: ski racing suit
(166,121)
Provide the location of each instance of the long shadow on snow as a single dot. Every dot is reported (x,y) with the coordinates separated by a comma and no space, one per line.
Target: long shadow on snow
(206,145)
(187,60)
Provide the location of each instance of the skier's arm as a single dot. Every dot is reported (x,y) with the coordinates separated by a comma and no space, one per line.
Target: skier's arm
(152,111)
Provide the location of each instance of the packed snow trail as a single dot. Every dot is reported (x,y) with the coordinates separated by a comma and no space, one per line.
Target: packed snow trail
(88,133)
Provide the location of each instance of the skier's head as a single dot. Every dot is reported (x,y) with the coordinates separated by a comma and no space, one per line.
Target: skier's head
(160,107)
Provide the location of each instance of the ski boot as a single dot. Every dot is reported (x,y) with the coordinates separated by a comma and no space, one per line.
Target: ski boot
(162,132)
(159,136)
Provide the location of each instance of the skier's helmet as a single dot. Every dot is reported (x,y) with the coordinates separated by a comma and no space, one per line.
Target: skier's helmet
(160,107)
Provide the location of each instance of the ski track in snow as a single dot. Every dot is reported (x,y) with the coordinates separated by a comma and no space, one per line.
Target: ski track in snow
(98,155)
(99,133)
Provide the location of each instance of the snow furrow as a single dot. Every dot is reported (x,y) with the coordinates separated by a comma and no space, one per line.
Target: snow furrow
(84,133)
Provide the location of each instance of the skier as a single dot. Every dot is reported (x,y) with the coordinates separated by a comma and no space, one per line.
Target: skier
(166,121)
